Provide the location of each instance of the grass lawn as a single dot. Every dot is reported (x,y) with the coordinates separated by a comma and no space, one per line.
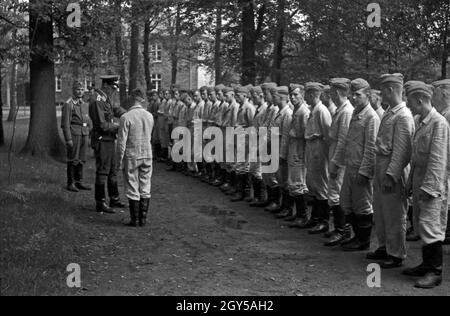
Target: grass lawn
(38,234)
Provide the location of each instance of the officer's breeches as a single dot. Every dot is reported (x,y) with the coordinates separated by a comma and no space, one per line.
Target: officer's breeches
(138,176)
(430,217)
(356,198)
(105,157)
(390,212)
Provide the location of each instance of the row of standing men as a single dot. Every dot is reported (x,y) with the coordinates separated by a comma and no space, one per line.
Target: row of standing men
(345,148)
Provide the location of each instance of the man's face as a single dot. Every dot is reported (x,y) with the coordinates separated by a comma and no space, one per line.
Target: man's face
(176,95)
(229,96)
(334,95)
(386,94)
(414,105)
(375,101)
(269,97)
(167,95)
(197,96)
(310,97)
(296,97)
(326,98)
(257,99)
(220,96)
(360,98)
(240,97)
(204,94)
(212,96)
(277,100)
(78,93)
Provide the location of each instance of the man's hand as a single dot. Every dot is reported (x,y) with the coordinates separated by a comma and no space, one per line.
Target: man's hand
(362,180)
(388,184)
(424,196)
(333,171)
(69,143)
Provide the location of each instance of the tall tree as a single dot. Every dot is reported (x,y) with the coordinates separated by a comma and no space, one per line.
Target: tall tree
(43,137)
(13,92)
(279,41)
(2,136)
(218,43)
(134,47)
(120,54)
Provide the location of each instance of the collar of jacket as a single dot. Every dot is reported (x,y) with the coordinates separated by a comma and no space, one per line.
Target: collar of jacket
(363,112)
(136,107)
(301,107)
(427,119)
(343,106)
(397,108)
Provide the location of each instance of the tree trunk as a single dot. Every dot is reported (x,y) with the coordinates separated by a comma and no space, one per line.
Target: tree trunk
(218,44)
(121,56)
(43,137)
(134,51)
(174,53)
(279,42)
(248,42)
(148,78)
(2,135)
(13,93)
(445,51)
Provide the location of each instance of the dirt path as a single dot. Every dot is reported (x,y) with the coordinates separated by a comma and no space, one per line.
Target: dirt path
(198,243)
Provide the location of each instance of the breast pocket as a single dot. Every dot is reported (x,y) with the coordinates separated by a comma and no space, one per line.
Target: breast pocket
(424,143)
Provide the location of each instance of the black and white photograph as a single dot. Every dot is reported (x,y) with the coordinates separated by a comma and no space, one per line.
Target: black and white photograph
(227,155)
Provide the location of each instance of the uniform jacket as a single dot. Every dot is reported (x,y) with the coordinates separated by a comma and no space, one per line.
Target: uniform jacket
(395,139)
(431,153)
(258,119)
(102,113)
(230,115)
(319,123)
(212,117)
(360,150)
(75,119)
(195,113)
(297,131)
(135,135)
(246,115)
(283,121)
(339,130)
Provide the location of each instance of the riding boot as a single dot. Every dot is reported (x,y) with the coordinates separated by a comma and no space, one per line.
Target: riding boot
(79,179)
(114,195)
(134,212)
(240,188)
(433,259)
(144,206)
(100,199)
(288,206)
(275,206)
(70,175)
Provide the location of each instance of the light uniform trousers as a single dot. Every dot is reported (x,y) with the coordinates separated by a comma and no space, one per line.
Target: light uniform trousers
(297,170)
(356,198)
(138,176)
(390,212)
(335,185)
(317,166)
(430,217)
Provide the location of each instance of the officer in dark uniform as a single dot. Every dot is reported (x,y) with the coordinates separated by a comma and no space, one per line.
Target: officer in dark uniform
(76,126)
(104,134)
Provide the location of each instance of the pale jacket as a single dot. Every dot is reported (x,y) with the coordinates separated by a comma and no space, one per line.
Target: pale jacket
(135,135)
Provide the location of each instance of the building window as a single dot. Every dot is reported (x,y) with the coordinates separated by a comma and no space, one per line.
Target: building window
(156,81)
(156,53)
(58,83)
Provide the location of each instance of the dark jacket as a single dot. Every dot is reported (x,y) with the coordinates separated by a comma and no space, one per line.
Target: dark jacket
(75,119)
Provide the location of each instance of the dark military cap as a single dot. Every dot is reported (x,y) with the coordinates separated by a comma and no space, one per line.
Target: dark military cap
(314,86)
(294,86)
(257,90)
(219,87)
(112,80)
(442,84)
(359,84)
(392,78)
(419,87)
(283,90)
(341,83)
(241,90)
(227,89)
(269,86)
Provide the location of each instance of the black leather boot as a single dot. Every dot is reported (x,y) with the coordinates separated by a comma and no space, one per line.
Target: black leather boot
(338,235)
(144,206)
(134,212)
(287,206)
(364,232)
(275,206)
(301,214)
(324,216)
(114,195)
(351,225)
(233,184)
(70,176)
(378,255)
(79,179)
(434,259)
(100,199)
(240,188)
(257,193)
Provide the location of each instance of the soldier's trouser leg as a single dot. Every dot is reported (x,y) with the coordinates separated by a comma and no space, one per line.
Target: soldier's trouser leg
(390,212)
(355,198)
(137,176)
(317,166)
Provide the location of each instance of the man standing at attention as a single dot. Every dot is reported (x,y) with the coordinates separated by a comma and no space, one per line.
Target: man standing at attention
(394,149)
(135,157)
(359,159)
(76,126)
(429,183)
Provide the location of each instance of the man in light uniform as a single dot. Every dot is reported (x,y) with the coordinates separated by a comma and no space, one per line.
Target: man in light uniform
(135,157)
(161,130)
(429,183)
(207,168)
(296,155)
(255,167)
(393,149)
(245,118)
(359,159)
(229,119)
(316,134)
(377,102)
(195,113)
(172,109)
(270,179)
(327,100)
(213,173)
(441,101)
(221,174)
(340,90)
(283,121)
